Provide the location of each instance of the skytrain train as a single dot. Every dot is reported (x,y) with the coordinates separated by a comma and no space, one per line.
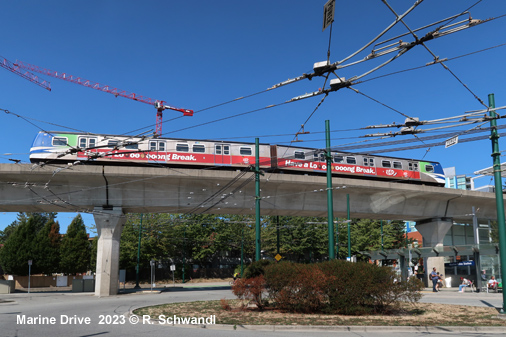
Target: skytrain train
(53,147)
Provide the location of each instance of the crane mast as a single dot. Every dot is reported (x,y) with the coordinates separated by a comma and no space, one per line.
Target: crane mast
(158,104)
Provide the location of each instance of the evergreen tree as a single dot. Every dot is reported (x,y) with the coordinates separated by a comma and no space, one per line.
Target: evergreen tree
(75,248)
(19,248)
(4,235)
(47,248)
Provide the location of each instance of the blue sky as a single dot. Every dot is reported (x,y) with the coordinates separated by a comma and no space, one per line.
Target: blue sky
(197,54)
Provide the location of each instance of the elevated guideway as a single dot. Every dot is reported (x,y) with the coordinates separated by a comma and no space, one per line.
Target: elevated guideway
(24,187)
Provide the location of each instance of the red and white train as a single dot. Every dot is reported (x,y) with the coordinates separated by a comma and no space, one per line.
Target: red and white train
(53,147)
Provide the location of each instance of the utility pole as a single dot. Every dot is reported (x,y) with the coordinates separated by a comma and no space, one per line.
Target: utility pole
(330,201)
(499,200)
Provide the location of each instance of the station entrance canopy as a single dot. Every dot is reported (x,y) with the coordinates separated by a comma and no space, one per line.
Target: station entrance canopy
(437,251)
(405,254)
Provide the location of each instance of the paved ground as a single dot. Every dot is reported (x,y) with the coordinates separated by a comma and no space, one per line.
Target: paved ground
(64,313)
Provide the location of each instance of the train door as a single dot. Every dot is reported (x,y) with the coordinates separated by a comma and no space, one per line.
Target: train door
(88,145)
(222,155)
(158,151)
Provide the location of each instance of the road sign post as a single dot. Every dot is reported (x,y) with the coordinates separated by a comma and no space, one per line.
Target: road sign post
(29,273)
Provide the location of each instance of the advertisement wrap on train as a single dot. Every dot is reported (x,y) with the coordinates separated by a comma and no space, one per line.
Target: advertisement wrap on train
(104,149)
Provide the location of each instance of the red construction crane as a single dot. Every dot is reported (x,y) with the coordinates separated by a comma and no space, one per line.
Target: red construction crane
(4,63)
(159,105)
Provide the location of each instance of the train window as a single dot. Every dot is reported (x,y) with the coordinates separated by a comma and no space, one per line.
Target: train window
(134,146)
(156,146)
(338,159)
(112,143)
(429,168)
(397,165)
(351,160)
(322,157)
(199,148)
(245,151)
(218,149)
(316,156)
(386,163)
(299,155)
(368,161)
(226,149)
(86,142)
(413,166)
(182,148)
(59,141)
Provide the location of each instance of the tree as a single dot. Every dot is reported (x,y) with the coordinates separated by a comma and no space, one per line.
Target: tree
(366,235)
(75,248)
(47,248)
(40,220)
(19,248)
(4,235)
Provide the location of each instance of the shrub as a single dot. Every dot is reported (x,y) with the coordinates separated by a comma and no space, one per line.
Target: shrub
(338,287)
(296,287)
(250,289)
(224,304)
(256,268)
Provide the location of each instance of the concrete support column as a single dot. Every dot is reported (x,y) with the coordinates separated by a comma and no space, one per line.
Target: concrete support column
(109,226)
(433,232)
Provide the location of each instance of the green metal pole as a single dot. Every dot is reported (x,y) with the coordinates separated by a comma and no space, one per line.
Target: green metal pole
(498,195)
(277,232)
(349,231)
(137,286)
(257,200)
(184,252)
(330,201)
(382,248)
(242,252)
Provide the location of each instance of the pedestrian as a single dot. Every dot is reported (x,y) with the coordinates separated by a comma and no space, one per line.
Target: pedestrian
(439,281)
(484,275)
(465,283)
(492,283)
(434,277)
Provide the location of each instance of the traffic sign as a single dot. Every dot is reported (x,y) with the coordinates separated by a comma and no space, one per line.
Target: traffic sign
(452,141)
(278,257)
(328,13)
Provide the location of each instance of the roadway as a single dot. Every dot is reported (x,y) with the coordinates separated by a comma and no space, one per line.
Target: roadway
(86,306)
